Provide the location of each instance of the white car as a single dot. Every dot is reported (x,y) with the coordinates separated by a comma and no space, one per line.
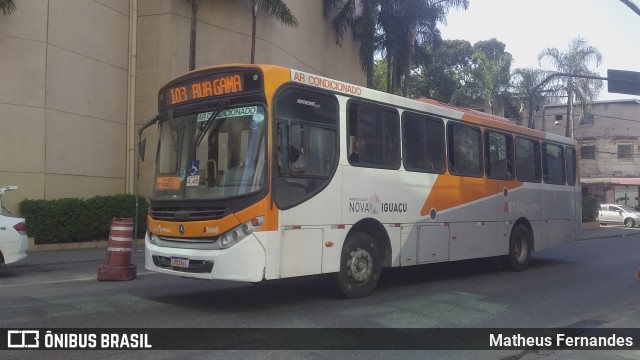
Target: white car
(618,214)
(13,235)
(13,239)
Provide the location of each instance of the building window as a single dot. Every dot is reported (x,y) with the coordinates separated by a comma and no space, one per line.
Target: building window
(558,117)
(587,120)
(588,152)
(624,152)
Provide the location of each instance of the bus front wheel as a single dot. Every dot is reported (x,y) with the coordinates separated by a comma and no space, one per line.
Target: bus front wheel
(360,266)
(519,249)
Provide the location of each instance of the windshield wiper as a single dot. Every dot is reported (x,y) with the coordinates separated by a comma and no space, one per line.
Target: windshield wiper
(203,129)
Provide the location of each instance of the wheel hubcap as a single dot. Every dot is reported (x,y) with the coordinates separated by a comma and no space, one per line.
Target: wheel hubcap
(521,249)
(360,265)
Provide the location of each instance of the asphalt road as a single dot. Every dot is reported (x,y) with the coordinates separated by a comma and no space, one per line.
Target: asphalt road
(587,283)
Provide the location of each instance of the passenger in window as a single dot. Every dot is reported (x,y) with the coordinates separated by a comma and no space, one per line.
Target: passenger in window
(296,159)
(433,162)
(355,155)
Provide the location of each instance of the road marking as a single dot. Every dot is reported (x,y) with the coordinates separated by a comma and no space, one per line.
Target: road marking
(64,281)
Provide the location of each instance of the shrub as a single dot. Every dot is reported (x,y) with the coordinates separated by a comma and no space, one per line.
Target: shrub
(590,208)
(73,220)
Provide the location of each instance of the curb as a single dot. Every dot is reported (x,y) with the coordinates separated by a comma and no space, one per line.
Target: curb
(97,244)
(590,225)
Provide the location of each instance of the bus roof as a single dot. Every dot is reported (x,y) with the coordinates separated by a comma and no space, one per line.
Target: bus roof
(422,104)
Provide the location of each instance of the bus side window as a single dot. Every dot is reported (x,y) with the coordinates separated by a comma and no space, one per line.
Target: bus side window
(571,165)
(553,164)
(499,155)
(373,138)
(307,143)
(465,150)
(423,141)
(527,160)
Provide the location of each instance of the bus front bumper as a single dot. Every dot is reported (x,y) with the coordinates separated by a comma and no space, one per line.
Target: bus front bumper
(244,261)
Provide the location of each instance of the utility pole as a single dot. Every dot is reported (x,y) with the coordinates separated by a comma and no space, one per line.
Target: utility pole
(632,6)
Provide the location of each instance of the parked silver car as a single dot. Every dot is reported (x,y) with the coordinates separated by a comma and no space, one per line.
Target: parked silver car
(618,214)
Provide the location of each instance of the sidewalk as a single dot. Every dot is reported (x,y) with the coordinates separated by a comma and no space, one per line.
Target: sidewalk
(608,232)
(96,255)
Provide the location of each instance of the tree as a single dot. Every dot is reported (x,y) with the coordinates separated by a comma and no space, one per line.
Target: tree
(7,7)
(575,60)
(439,76)
(380,75)
(363,26)
(193,34)
(277,9)
(407,25)
(485,80)
(523,81)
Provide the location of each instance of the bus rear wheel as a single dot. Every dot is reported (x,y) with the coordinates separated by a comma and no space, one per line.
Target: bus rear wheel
(519,249)
(360,266)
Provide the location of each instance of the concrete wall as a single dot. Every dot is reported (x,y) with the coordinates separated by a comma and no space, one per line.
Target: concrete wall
(63,98)
(64,91)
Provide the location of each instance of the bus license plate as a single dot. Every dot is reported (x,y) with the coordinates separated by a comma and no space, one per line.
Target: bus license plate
(180,262)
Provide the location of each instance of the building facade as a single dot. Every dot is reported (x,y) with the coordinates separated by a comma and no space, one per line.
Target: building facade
(79,77)
(609,137)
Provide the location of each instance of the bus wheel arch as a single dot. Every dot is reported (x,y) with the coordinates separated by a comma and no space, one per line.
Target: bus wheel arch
(521,245)
(364,254)
(376,230)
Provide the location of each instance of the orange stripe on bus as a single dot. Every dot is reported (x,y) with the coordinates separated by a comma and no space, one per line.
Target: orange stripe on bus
(450,191)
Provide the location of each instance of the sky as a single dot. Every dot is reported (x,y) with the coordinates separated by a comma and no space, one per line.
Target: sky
(527,27)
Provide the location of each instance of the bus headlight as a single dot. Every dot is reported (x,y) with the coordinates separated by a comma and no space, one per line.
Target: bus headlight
(152,238)
(236,234)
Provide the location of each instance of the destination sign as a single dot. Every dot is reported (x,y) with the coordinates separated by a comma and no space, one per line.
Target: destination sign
(218,86)
(210,86)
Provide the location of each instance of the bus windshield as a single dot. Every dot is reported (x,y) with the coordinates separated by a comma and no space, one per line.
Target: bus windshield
(209,156)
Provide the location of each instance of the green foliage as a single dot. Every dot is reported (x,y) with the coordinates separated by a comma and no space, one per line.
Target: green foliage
(74,220)
(7,6)
(590,208)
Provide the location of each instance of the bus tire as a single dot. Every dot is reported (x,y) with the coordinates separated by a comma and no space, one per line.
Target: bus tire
(519,249)
(360,266)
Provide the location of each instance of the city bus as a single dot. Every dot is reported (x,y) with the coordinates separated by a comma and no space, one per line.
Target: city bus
(264,172)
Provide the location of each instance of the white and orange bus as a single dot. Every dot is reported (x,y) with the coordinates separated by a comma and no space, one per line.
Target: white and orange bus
(264,172)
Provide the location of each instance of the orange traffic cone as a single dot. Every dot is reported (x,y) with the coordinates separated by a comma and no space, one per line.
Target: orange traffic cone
(118,266)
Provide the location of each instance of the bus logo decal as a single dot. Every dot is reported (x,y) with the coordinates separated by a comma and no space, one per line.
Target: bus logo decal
(374,205)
